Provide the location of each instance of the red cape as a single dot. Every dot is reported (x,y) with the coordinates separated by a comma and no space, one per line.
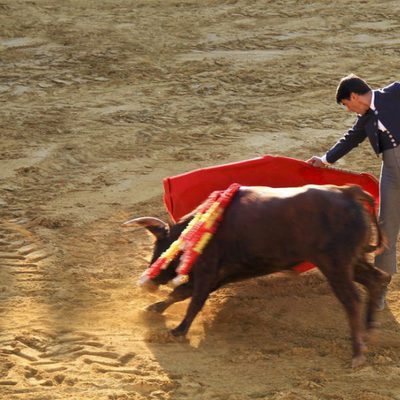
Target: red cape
(182,193)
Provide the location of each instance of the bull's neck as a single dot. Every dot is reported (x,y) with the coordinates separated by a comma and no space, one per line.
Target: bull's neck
(177,229)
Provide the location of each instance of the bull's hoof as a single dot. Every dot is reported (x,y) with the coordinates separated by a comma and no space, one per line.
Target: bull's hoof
(372,327)
(158,307)
(372,334)
(358,361)
(177,332)
(159,336)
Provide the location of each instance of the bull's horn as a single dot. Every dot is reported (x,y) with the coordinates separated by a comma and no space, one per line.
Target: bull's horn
(145,222)
(157,227)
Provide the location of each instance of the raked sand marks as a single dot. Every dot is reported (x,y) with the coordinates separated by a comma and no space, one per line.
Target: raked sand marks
(22,256)
(99,103)
(39,359)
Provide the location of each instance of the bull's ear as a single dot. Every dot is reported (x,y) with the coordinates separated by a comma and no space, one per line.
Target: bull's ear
(158,228)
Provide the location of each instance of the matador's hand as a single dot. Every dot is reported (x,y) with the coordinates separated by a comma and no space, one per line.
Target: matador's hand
(316,162)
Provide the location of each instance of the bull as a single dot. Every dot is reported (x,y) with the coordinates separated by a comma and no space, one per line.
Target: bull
(266,230)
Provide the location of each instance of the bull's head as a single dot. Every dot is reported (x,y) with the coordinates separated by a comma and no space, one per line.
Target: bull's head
(164,238)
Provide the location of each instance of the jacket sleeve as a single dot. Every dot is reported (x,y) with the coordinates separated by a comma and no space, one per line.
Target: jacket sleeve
(351,139)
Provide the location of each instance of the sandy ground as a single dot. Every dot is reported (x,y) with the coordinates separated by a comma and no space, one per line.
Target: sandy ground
(100,100)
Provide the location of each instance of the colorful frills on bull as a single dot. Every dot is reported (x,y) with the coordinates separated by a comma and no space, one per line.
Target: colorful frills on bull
(194,238)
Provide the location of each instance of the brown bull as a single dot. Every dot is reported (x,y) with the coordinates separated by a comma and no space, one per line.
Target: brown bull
(265,230)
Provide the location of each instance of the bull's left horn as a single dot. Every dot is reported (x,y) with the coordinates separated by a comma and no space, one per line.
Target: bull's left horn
(157,227)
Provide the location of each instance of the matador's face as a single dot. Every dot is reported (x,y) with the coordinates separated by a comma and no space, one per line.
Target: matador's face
(356,104)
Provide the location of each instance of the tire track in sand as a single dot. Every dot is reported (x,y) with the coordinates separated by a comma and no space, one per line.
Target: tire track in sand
(40,360)
(22,258)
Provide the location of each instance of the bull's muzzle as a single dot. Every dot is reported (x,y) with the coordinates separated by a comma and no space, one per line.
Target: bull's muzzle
(147,284)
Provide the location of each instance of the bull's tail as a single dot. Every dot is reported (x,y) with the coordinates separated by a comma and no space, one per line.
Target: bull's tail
(368,203)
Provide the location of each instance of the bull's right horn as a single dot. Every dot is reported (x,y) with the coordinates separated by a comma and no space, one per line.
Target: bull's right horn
(157,227)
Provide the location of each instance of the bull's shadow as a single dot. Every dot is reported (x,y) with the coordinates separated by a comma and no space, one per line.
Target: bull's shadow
(258,337)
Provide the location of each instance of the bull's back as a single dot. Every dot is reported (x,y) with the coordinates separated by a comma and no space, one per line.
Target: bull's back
(292,224)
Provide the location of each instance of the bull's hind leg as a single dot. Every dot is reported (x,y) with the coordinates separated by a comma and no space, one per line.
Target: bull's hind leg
(180,293)
(346,292)
(375,281)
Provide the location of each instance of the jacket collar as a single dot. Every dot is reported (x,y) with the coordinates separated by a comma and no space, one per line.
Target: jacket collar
(376,99)
(372,105)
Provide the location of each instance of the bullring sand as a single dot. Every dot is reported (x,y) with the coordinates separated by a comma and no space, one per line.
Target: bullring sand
(100,100)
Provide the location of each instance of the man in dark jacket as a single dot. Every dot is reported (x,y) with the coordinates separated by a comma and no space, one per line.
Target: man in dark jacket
(378,118)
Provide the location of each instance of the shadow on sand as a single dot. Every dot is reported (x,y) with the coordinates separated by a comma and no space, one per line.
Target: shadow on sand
(270,335)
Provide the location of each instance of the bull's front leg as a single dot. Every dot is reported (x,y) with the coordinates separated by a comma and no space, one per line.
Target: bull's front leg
(180,293)
(196,304)
(204,282)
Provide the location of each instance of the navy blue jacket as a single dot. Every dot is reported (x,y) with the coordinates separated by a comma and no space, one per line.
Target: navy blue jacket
(387,110)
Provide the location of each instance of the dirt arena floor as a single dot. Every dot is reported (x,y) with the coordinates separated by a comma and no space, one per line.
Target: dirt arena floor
(100,100)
